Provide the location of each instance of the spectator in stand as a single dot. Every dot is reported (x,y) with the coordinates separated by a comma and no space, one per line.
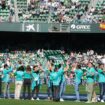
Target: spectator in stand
(31,5)
(3,4)
(0,18)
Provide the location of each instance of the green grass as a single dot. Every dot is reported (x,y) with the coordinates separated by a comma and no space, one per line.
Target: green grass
(69,89)
(41,102)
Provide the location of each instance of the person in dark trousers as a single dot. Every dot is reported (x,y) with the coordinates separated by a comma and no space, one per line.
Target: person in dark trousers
(55,77)
(27,82)
(35,82)
(101,80)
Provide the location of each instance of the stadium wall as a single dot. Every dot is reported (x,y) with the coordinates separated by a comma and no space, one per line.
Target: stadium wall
(53,27)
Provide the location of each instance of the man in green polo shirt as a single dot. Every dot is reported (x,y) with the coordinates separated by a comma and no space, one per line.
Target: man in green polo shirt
(90,74)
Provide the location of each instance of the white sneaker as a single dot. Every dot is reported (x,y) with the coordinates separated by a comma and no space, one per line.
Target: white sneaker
(102,100)
(98,99)
(32,98)
(61,99)
(37,99)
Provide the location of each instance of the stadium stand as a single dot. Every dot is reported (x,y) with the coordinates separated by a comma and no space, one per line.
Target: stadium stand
(48,11)
(6,10)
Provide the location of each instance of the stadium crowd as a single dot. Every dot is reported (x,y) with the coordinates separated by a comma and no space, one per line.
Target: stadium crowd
(61,11)
(7,5)
(55,68)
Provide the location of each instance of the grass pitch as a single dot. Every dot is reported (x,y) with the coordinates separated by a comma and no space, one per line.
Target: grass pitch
(69,90)
(42,102)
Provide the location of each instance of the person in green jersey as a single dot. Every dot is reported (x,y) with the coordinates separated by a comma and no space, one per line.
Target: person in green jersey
(36,81)
(49,81)
(63,77)
(18,81)
(6,80)
(90,74)
(27,82)
(55,78)
(77,81)
(101,80)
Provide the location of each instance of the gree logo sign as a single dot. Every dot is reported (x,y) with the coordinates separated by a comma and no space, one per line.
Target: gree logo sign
(75,27)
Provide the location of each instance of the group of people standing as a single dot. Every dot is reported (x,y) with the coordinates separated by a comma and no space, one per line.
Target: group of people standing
(28,78)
